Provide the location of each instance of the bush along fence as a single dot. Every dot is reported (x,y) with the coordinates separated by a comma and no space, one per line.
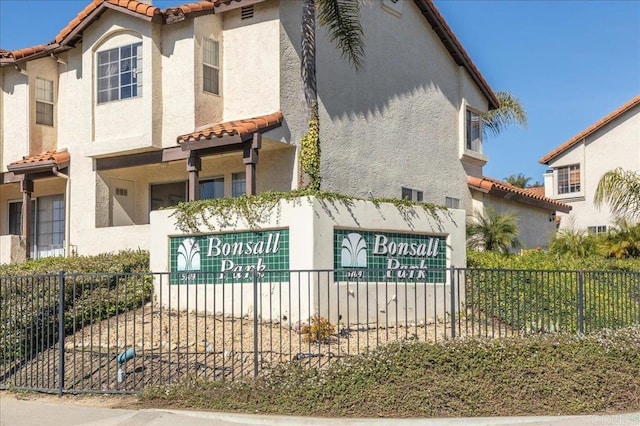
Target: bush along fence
(117,333)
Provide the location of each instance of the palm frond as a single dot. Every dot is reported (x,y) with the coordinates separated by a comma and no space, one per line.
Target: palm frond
(509,112)
(620,189)
(342,20)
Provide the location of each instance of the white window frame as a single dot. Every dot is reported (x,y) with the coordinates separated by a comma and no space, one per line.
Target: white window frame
(475,144)
(571,188)
(238,184)
(118,76)
(211,65)
(45,99)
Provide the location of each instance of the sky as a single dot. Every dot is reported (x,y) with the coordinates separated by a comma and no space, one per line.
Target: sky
(569,62)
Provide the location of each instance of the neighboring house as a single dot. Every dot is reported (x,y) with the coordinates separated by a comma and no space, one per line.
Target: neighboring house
(132,108)
(535,213)
(576,166)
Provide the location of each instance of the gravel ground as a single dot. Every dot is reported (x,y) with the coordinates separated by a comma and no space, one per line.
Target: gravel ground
(170,346)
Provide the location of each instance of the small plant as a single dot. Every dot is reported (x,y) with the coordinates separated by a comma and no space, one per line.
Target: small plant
(319,330)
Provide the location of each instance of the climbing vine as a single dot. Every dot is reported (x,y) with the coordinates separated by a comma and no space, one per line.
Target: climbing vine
(256,209)
(309,154)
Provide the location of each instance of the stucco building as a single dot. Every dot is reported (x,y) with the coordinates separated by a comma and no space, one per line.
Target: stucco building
(576,166)
(132,108)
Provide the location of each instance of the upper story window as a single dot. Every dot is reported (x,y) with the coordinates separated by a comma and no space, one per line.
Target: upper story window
(120,73)
(211,66)
(473,131)
(44,101)
(600,229)
(568,179)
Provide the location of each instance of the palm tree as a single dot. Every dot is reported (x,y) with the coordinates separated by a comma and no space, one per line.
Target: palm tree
(509,112)
(491,231)
(342,20)
(620,189)
(519,180)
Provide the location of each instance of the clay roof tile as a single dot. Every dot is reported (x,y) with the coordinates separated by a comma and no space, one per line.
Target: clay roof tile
(242,128)
(537,193)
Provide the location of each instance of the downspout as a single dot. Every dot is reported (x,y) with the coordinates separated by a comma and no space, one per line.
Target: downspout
(67,210)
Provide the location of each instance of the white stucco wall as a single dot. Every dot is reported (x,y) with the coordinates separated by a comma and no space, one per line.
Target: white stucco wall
(251,62)
(535,229)
(615,145)
(15,93)
(394,123)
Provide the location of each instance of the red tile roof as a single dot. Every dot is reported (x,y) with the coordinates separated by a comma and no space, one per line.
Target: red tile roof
(44,160)
(428,9)
(240,128)
(533,196)
(589,130)
(97,7)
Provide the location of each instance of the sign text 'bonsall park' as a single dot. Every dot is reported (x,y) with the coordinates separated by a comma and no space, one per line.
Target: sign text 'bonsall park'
(228,257)
(388,255)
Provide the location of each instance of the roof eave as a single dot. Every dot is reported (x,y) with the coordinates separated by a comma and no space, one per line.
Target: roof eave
(457,52)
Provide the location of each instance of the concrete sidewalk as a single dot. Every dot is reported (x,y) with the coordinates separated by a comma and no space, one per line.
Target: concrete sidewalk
(15,412)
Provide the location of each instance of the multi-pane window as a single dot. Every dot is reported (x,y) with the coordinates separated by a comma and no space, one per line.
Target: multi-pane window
(211,66)
(452,203)
(120,73)
(212,188)
(569,179)
(601,229)
(44,101)
(473,131)
(238,184)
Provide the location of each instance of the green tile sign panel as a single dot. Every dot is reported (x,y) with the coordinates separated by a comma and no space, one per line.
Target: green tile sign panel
(390,256)
(217,258)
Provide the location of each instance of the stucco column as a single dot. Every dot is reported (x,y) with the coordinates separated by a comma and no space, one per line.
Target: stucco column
(194,165)
(250,159)
(26,186)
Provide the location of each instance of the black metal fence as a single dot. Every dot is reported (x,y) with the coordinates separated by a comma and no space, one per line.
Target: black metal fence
(116,333)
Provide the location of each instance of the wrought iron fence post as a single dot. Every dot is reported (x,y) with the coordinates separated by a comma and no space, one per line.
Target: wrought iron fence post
(580,302)
(453,303)
(255,323)
(61,366)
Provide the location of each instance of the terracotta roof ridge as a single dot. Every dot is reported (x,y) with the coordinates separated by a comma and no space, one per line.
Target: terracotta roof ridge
(589,130)
(240,127)
(488,183)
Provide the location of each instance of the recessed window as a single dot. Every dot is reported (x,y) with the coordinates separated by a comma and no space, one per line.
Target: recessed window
(211,66)
(238,184)
(120,73)
(452,203)
(168,194)
(473,131)
(412,194)
(212,188)
(568,179)
(44,101)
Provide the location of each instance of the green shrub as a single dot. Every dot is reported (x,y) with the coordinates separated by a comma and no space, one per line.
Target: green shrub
(539,291)
(96,288)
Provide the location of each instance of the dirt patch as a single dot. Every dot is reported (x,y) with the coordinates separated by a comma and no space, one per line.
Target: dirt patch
(167,346)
